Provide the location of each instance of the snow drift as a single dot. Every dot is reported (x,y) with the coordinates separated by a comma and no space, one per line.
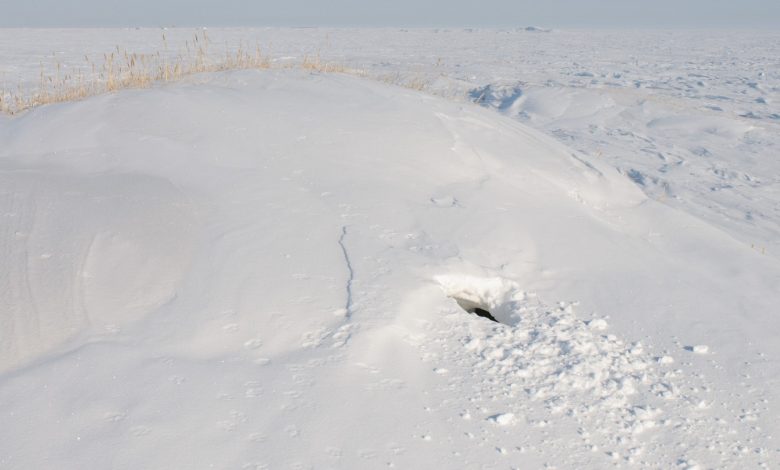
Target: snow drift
(258,270)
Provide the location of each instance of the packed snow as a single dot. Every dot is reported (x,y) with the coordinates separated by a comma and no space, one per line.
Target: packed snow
(275,269)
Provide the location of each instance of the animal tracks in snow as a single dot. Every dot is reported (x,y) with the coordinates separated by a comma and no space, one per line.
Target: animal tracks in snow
(334,337)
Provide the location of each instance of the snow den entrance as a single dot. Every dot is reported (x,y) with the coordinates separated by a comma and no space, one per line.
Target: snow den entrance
(475,308)
(493,298)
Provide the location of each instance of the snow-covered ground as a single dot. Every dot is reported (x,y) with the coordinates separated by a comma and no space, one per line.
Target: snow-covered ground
(692,116)
(265,269)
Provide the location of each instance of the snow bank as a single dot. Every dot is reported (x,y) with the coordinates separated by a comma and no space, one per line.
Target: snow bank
(259,270)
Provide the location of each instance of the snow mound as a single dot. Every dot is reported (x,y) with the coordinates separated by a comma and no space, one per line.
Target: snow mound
(120,203)
(262,270)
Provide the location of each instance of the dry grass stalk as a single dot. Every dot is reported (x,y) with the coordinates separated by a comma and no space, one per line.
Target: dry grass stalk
(121,70)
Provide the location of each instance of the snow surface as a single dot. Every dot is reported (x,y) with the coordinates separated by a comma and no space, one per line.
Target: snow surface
(266,270)
(691,116)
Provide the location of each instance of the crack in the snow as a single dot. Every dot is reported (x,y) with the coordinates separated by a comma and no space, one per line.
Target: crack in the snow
(348,306)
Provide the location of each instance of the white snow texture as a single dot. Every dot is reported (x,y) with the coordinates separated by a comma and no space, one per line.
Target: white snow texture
(272,269)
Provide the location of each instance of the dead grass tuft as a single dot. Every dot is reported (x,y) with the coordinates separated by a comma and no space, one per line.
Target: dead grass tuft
(122,69)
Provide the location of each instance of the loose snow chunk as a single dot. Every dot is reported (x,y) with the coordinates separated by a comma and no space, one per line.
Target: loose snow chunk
(503,419)
(698,349)
(688,465)
(665,360)
(599,324)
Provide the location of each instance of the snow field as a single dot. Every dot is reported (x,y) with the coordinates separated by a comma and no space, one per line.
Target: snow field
(264,270)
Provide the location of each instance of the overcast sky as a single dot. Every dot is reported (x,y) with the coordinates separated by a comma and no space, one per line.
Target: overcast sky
(505,13)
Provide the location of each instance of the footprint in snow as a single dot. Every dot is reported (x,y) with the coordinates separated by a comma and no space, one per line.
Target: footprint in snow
(445,201)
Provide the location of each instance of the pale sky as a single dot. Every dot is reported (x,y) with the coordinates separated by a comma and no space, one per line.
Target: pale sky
(505,13)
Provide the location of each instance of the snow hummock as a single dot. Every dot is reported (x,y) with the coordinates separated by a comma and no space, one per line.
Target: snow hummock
(264,270)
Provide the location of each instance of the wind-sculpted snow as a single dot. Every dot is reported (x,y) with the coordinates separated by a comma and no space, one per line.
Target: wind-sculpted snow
(84,253)
(267,269)
(692,114)
(710,163)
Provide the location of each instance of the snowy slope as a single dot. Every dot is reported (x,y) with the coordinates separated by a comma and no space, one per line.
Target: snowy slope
(260,270)
(691,116)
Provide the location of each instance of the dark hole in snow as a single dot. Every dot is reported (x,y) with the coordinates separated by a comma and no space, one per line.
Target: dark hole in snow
(493,298)
(484,314)
(472,307)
